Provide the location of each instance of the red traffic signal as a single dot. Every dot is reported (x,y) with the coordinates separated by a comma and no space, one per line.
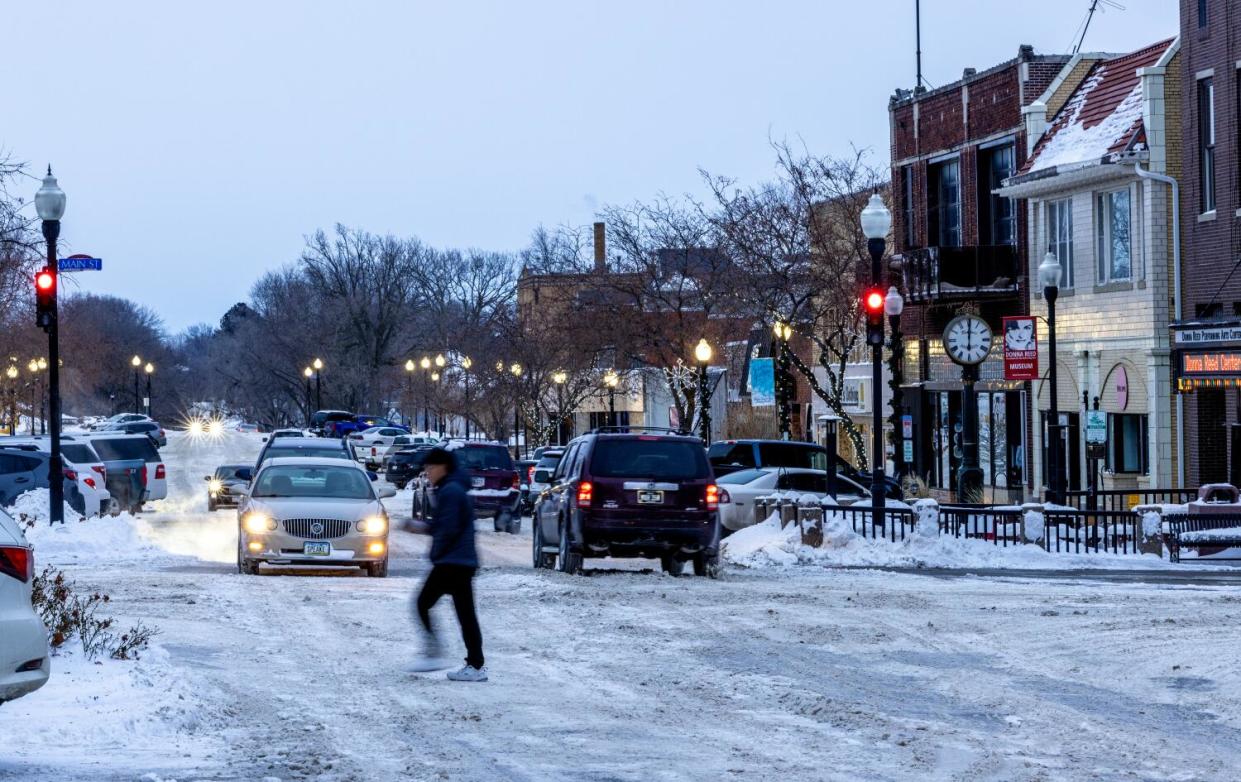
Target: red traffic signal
(45,281)
(873,301)
(45,298)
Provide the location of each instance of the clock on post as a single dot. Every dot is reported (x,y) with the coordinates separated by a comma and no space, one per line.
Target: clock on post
(968,340)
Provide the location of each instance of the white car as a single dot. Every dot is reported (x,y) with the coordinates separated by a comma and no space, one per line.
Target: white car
(81,465)
(371,445)
(313,511)
(119,418)
(739,490)
(113,447)
(541,475)
(24,661)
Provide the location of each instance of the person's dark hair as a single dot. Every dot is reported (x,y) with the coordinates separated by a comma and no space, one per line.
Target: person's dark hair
(441,456)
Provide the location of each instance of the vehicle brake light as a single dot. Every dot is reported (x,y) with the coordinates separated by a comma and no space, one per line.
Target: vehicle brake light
(160,474)
(516,480)
(647,437)
(17,561)
(530,474)
(89,482)
(142,474)
(103,471)
(374,451)
(584,493)
(724,496)
(713,496)
(71,475)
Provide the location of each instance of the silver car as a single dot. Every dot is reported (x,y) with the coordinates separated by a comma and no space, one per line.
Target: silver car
(313,511)
(24,661)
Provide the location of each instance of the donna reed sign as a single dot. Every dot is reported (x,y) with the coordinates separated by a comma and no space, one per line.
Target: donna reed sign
(1209,368)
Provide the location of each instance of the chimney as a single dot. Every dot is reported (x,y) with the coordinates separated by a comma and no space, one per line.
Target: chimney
(969,73)
(601,249)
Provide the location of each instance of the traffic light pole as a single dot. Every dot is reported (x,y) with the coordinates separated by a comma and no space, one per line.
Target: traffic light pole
(874,333)
(56,485)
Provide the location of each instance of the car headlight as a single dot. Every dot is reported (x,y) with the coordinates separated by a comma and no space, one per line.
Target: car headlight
(373,525)
(215,485)
(258,523)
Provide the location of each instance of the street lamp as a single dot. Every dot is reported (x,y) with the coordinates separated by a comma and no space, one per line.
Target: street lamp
(440,361)
(784,332)
(893,306)
(150,370)
(876,223)
(318,365)
(466,363)
(611,380)
(33,368)
(49,202)
(702,352)
(308,373)
(560,377)
(11,373)
(136,363)
(1049,277)
(516,370)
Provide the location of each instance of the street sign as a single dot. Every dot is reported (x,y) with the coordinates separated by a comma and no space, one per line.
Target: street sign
(80,263)
(1096,426)
(907,427)
(909,451)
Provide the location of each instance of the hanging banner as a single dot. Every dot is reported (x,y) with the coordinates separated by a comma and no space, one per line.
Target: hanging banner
(1020,348)
(762,382)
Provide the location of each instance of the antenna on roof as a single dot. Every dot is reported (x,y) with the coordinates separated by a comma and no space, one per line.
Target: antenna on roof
(1094,6)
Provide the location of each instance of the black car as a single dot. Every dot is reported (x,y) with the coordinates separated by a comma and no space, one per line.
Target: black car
(525,469)
(732,455)
(321,418)
(222,485)
(630,494)
(151,429)
(403,466)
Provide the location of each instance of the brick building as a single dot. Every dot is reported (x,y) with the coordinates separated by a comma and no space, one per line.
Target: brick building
(959,246)
(1207,338)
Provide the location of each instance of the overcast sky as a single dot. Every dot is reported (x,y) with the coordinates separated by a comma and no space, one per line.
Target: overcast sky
(199,148)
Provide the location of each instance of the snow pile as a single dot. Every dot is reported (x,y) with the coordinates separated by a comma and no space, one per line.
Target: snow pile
(1074,143)
(35,505)
(80,539)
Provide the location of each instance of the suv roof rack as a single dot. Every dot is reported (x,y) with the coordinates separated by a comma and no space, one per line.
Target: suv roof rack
(634,429)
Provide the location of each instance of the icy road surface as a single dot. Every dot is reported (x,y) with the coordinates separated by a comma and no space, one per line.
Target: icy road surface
(801,673)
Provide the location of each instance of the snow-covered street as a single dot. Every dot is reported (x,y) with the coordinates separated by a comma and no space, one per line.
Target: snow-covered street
(789,673)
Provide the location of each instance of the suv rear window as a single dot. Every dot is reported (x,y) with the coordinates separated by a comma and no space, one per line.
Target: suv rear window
(78,453)
(310,453)
(123,448)
(792,455)
(484,457)
(654,458)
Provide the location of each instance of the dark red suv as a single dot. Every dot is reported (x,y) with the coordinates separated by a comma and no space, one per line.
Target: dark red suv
(630,494)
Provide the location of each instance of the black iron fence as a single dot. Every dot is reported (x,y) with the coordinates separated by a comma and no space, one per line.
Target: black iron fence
(998,524)
(1209,532)
(896,523)
(1127,499)
(1092,531)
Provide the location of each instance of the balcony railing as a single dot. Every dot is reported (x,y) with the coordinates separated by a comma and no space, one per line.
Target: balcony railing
(960,273)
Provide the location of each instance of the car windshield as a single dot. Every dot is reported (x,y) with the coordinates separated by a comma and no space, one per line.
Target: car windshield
(332,452)
(742,476)
(653,458)
(122,448)
(78,453)
(792,455)
(228,471)
(484,458)
(288,480)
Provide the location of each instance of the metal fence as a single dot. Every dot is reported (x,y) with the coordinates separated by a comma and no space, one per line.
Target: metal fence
(896,524)
(1002,526)
(1201,530)
(1092,531)
(1125,499)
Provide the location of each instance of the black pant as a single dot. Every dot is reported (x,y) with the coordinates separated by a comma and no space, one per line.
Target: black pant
(458,581)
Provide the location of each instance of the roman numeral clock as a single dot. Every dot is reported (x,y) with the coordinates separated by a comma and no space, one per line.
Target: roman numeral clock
(968,340)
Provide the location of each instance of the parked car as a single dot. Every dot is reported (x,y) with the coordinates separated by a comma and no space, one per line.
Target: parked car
(405,465)
(359,423)
(135,471)
(320,419)
(731,455)
(313,511)
(247,428)
(739,490)
(371,445)
(540,478)
(304,447)
(495,484)
(525,471)
(277,433)
(119,418)
(25,663)
(81,465)
(630,494)
(225,484)
(25,467)
(151,429)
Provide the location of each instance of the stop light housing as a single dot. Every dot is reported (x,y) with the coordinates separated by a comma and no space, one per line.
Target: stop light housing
(872,305)
(45,298)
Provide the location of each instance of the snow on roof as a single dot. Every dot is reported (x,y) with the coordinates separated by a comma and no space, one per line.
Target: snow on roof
(1102,117)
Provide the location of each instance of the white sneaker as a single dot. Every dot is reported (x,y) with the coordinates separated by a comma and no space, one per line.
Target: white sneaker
(427,664)
(469,673)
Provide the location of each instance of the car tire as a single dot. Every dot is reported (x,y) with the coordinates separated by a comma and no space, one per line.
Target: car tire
(514,524)
(707,566)
(211,506)
(671,565)
(536,547)
(500,521)
(378,569)
(567,561)
(244,566)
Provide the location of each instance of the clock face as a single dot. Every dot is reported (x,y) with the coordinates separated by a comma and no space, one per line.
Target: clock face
(968,339)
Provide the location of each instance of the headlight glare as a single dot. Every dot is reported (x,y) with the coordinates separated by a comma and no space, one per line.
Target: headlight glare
(258,523)
(215,485)
(373,525)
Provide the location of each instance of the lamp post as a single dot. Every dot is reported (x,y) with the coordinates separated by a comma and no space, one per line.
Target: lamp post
(439,414)
(560,377)
(410,366)
(702,352)
(784,332)
(308,373)
(516,369)
(150,370)
(425,363)
(318,365)
(136,363)
(1049,277)
(893,306)
(11,373)
(466,363)
(611,380)
(830,427)
(49,202)
(876,223)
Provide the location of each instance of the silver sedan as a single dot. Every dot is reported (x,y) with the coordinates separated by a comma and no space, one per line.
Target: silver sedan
(313,511)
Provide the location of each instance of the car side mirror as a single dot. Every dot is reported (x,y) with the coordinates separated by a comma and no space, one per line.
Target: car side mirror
(245,474)
(264,439)
(386,491)
(206,477)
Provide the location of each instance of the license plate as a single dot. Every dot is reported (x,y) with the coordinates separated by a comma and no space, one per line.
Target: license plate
(317,548)
(651,497)
(479,482)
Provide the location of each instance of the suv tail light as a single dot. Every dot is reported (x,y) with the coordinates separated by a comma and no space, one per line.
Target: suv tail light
(89,482)
(103,471)
(160,473)
(585,491)
(530,474)
(142,474)
(71,474)
(516,480)
(713,496)
(374,451)
(724,498)
(18,562)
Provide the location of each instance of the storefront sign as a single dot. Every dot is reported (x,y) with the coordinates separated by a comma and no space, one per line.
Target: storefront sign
(1020,348)
(1122,388)
(762,382)
(854,398)
(1213,364)
(1206,336)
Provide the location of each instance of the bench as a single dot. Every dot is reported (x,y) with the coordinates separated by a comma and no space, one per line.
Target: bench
(1202,530)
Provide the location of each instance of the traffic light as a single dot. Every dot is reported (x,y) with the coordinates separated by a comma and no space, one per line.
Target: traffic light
(872,304)
(45,298)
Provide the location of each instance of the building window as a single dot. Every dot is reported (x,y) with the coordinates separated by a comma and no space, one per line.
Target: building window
(944,204)
(997,220)
(1060,237)
(1202,13)
(1126,443)
(1115,250)
(907,206)
(601,419)
(1206,143)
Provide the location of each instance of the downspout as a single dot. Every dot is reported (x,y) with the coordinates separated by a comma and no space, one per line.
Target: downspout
(1176,303)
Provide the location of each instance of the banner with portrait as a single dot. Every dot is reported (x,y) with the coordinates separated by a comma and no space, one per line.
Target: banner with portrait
(1020,347)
